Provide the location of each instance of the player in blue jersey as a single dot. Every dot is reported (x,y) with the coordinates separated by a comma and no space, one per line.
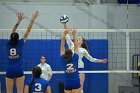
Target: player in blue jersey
(14,47)
(37,84)
(70,64)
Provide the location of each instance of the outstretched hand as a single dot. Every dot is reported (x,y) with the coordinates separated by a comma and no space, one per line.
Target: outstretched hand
(104,61)
(65,32)
(73,31)
(35,15)
(20,16)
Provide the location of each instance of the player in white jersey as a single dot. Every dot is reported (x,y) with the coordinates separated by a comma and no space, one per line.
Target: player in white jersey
(83,52)
(46,69)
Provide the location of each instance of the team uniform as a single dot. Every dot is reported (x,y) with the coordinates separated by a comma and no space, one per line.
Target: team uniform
(72,80)
(39,86)
(82,52)
(15,68)
(46,71)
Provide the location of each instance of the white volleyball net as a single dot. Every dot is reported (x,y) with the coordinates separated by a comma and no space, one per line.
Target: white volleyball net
(120,46)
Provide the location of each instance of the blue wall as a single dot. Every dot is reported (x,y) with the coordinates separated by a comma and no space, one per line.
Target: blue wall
(129,1)
(33,49)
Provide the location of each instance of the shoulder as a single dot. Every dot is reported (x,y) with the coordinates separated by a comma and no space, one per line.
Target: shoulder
(47,64)
(21,41)
(76,55)
(44,81)
(39,65)
(62,56)
(82,50)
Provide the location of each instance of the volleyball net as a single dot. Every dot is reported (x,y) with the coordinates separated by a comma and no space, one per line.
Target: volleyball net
(120,46)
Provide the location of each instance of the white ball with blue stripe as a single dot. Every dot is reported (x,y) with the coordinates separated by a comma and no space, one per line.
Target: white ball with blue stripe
(64,19)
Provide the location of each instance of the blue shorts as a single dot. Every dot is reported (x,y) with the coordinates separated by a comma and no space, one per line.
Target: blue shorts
(14,72)
(72,84)
(80,69)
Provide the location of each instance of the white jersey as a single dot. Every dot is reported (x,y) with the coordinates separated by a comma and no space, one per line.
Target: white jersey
(46,71)
(81,51)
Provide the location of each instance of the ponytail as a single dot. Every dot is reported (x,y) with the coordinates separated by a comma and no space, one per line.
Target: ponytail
(84,45)
(68,55)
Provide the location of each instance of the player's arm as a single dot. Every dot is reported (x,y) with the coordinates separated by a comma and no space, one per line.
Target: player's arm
(20,17)
(26,89)
(73,31)
(30,25)
(68,39)
(49,72)
(62,48)
(91,59)
(48,89)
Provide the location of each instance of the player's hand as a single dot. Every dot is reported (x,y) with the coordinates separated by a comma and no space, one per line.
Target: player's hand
(20,16)
(64,24)
(65,32)
(35,15)
(104,61)
(73,31)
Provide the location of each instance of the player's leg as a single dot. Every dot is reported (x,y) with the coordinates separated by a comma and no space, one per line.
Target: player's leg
(20,84)
(76,90)
(20,79)
(9,85)
(68,91)
(82,79)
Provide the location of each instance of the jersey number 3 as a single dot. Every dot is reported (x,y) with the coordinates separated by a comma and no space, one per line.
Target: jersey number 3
(69,66)
(13,52)
(38,87)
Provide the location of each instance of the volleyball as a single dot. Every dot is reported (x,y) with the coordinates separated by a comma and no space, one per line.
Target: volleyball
(64,19)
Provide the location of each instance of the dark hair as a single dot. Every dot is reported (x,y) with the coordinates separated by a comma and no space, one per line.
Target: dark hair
(68,54)
(14,39)
(84,44)
(36,74)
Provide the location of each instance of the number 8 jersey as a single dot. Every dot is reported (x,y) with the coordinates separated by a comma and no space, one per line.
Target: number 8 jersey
(71,67)
(15,54)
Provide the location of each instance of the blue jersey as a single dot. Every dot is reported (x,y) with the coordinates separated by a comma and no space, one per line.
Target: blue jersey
(71,67)
(39,86)
(15,54)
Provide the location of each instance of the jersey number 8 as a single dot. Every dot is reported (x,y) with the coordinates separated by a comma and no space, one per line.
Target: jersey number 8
(13,52)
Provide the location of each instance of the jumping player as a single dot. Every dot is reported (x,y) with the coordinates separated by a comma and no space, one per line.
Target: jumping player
(82,52)
(14,47)
(70,64)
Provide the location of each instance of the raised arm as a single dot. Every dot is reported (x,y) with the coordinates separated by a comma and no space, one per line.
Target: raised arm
(91,59)
(62,48)
(30,25)
(20,17)
(75,40)
(48,89)
(68,39)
